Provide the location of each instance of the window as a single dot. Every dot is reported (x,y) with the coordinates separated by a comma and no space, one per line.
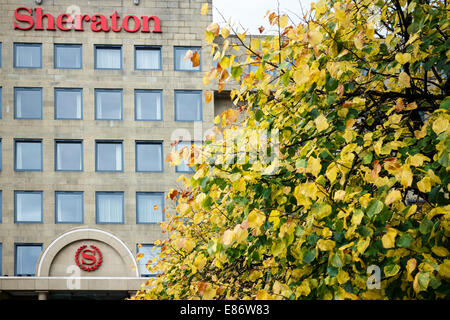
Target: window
(183,167)
(27,55)
(109,156)
(69,207)
(147,58)
(108,104)
(26,257)
(1,96)
(108,57)
(188,105)
(28,155)
(149,156)
(28,206)
(1,207)
(69,155)
(185,65)
(68,104)
(110,207)
(149,207)
(68,56)
(150,251)
(1,159)
(148,105)
(28,103)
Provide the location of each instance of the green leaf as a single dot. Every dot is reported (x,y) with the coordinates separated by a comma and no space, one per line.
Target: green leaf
(391,270)
(445,104)
(309,256)
(236,72)
(426,226)
(336,261)
(404,241)
(375,207)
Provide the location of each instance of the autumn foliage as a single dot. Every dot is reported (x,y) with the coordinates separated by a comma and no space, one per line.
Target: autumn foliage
(354,103)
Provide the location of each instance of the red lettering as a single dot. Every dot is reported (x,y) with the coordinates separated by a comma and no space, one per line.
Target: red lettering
(23,18)
(40,16)
(137,24)
(90,257)
(79,18)
(61,21)
(99,19)
(156,24)
(114,19)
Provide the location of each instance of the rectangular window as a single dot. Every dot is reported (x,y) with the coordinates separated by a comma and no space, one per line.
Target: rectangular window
(28,206)
(149,252)
(26,257)
(28,103)
(183,167)
(110,207)
(147,58)
(108,104)
(69,207)
(182,64)
(68,56)
(108,57)
(109,156)
(68,104)
(27,55)
(149,207)
(148,105)
(28,155)
(149,156)
(188,105)
(69,155)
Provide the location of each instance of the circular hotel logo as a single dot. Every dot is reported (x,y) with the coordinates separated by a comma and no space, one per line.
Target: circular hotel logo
(88,258)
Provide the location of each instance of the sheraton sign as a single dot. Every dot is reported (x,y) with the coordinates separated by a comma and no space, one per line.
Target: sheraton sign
(28,19)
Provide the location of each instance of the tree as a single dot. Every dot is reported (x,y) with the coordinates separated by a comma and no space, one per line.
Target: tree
(353,101)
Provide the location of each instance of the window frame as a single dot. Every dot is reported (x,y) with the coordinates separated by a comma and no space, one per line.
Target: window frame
(96,154)
(137,91)
(149,275)
(148,47)
(97,193)
(153,142)
(23,44)
(81,193)
(108,46)
(29,141)
(18,89)
(200,94)
(193,48)
(41,193)
(140,193)
(56,90)
(58,45)
(28,244)
(97,90)
(69,141)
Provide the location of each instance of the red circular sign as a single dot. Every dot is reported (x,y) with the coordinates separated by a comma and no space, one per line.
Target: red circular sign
(88,259)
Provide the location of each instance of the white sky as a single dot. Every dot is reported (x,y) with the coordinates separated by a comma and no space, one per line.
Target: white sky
(250,13)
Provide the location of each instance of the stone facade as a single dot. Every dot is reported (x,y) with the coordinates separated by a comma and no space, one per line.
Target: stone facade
(181,25)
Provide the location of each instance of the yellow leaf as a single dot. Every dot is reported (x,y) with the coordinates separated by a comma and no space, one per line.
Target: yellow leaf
(323,211)
(274,218)
(256,219)
(314,166)
(263,295)
(440,125)
(321,123)
(406,176)
(410,266)
(208,96)
(444,269)
(195,59)
(362,245)
(388,239)
(325,245)
(403,58)
(225,32)
(314,37)
(424,185)
(204,9)
(417,160)
(404,80)
(342,276)
(303,289)
(228,237)
(255,275)
(199,263)
(284,21)
(209,293)
(339,195)
(393,196)
(440,251)
(214,28)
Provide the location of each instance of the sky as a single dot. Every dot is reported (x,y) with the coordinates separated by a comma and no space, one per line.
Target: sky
(250,13)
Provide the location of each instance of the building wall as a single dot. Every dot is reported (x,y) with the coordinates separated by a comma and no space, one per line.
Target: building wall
(181,25)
